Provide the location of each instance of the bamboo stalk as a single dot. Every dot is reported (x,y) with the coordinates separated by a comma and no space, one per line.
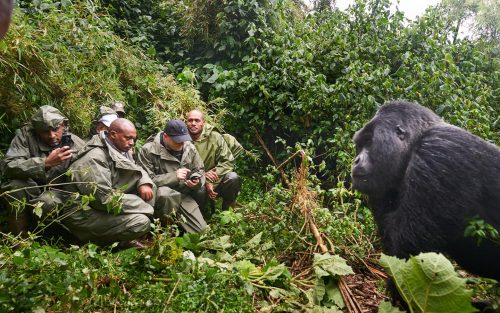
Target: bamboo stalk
(269,154)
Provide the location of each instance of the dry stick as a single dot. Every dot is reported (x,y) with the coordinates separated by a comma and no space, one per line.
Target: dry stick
(301,152)
(351,303)
(332,246)
(171,294)
(317,235)
(263,144)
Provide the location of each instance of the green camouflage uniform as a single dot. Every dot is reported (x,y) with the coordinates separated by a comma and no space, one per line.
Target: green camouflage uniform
(216,154)
(108,173)
(234,146)
(24,164)
(173,195)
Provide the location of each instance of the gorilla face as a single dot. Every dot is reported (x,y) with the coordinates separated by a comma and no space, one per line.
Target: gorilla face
(383,147)
(381,154)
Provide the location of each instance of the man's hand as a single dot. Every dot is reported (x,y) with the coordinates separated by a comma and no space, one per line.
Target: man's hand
(182,173)
(57,156)
(210,191)
(212,176)
(145,192)
(193,183)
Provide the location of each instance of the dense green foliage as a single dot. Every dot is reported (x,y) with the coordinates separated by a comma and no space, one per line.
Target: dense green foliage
(318,78)
(66,56)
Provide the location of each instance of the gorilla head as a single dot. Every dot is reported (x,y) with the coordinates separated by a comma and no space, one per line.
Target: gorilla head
(383,146)
(425,179)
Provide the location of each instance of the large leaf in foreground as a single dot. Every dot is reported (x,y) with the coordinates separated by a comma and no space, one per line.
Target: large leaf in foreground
(330,265)
(428,283)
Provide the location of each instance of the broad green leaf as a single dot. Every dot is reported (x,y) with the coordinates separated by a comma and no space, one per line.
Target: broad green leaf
(248,288)
(334,294)
(212,79)
(254,242)
(318,292)
(278,293)
(322,309)
(386,307)
(245,267)
(272,273)
(330,265)
(219,244)
(428,283)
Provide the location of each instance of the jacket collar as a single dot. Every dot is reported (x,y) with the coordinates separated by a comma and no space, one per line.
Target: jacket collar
(100,141)
(205,133)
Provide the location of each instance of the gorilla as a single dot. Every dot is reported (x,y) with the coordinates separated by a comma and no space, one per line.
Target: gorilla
(425,179)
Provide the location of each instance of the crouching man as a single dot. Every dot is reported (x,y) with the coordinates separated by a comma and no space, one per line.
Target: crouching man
(177,170)
(34,165)
(124,193)
(222,181)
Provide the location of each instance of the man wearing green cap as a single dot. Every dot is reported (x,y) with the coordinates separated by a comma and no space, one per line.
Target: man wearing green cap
(39,155)
(176,168)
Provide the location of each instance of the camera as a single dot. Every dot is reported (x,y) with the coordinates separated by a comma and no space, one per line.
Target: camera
(66,141)
(194,176)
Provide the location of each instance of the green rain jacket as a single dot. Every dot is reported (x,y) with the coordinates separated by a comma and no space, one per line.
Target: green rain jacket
(233,144)
(162,166)
(103,165)
(26,156)
(214,151)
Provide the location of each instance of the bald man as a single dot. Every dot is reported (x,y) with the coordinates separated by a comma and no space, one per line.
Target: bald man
(123,191)
(221,180)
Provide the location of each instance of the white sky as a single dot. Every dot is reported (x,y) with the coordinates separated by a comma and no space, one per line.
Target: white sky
(411,8)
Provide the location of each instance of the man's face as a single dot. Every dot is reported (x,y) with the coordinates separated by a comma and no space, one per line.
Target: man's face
(123,139)
(100,127)
(51,137)
(195,122)
(172,144)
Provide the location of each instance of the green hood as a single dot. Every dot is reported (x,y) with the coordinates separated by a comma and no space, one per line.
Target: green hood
(206,132)
(46,118)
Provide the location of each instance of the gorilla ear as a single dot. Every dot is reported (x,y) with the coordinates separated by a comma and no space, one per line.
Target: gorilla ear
(400,132)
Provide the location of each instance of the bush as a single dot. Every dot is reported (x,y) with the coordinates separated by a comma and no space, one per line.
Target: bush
(64,55)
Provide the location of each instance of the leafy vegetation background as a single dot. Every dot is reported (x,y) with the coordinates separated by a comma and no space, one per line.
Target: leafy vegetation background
(270,69)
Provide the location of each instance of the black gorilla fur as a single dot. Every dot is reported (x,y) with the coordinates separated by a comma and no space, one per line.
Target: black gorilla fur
(425,179)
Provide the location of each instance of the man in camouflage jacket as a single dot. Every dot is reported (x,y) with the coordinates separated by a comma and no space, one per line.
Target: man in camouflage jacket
(37,158)
(123,191)
(222,181)
(176,168)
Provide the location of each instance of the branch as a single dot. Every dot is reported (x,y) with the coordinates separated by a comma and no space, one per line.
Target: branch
(263,144)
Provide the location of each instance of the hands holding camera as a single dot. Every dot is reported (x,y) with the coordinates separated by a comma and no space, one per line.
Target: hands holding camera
(58,156)
(191,180)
